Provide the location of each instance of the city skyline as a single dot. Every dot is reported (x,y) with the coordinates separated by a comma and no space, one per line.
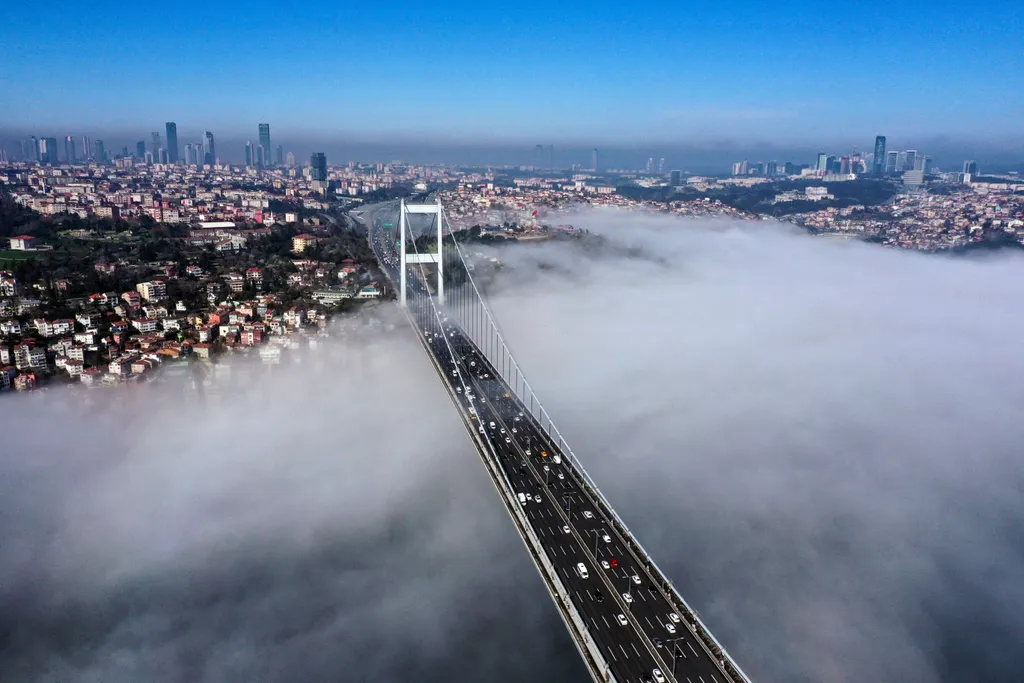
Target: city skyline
(682,77)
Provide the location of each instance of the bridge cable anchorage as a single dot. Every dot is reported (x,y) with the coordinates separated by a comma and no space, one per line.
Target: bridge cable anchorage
(481,326)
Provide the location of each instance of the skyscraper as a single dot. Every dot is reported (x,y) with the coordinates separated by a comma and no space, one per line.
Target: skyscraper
(910,160)
(971,166)
(86,148)
(265,143)
(593,161)
(101,153)
(35,149)
(261,157)
(675,178)
(140,150)
(650,164)
(248,153)
(279,159)
(926,164)
(209,149)
(69,150)
(822,162)
(771,169)
(154,145)
(188,154)
(661,165)
(318,166)
(538,156)
(892,161)
(48,151)
(879,163)
(551,156)
(290,159)
(172,142)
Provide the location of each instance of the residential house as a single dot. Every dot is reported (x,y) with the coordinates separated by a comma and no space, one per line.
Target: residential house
(7,375)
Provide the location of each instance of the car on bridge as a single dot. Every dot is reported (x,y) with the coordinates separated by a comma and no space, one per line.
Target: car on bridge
(581,569)
(622,620)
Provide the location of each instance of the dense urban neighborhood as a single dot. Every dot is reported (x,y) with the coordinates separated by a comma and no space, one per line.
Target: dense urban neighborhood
(113,271)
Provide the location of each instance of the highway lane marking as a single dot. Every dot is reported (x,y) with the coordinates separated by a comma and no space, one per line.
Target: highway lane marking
(634,649)
(648,622)
(606,624)
(624,653)
(713,678)
(701,679)
(692,650)
(641,594)
(611,651)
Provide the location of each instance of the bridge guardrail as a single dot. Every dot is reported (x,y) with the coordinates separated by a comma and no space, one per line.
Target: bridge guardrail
(577,627)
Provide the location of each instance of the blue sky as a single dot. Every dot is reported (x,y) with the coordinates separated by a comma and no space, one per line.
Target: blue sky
(532,71)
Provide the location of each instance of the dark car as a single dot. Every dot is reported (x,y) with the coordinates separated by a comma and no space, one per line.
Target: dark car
(598,595)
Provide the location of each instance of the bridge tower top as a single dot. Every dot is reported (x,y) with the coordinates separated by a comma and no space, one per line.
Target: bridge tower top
(404,232)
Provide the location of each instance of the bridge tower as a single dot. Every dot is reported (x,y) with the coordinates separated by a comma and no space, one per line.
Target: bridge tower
(404,232)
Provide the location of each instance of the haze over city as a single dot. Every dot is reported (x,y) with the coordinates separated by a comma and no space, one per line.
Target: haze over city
(614,343)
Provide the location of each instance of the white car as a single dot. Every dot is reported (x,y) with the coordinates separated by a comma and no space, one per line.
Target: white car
(508,440)
(658,676)
(636,579)
(482,430)
(502,430)
(674,617)
(566,529)
(546,468)
(537,497)
(515,431)
(606,538)
(588,514)
(604,563)
(670,628)
(528,451)
(627,597)
(622,619)
(560,475)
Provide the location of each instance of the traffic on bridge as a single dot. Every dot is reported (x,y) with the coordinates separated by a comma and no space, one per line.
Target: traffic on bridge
(631,624)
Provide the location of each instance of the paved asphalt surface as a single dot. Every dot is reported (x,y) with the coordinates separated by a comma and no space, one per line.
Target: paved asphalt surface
(571,527)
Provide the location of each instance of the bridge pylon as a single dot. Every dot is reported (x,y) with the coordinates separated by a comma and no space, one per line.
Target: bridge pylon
(404,230)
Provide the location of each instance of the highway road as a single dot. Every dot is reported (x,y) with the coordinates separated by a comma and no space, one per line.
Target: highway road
(634,624)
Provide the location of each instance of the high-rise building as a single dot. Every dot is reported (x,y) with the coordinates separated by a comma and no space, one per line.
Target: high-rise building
(971,166)
(248,153)
(265,143)
(172,142)
(101,152)
(661,165)
(209,149)
(140,149)
(318,166)
(289,160)
(675,178)
(822,162)
(35,149)
(148,158)
(154,146)
(538,156)
(771,169)
(161,155)
(188,154)
(279,157)
(910,160)
(261,157)
(594,166)
(926,164)
(48,151)
(892,161)
(86,148)
(69,150)
(879,161)
(551,156)
(650,164)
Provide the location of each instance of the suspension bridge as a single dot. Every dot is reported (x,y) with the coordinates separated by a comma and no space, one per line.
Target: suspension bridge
(625,617)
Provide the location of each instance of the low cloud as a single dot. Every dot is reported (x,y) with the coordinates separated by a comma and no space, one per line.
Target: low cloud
(326,522)
(819,441)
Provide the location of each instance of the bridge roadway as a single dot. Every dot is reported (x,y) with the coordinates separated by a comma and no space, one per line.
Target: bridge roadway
(632,651)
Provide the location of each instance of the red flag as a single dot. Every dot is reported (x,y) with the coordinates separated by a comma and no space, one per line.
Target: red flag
(535,212)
